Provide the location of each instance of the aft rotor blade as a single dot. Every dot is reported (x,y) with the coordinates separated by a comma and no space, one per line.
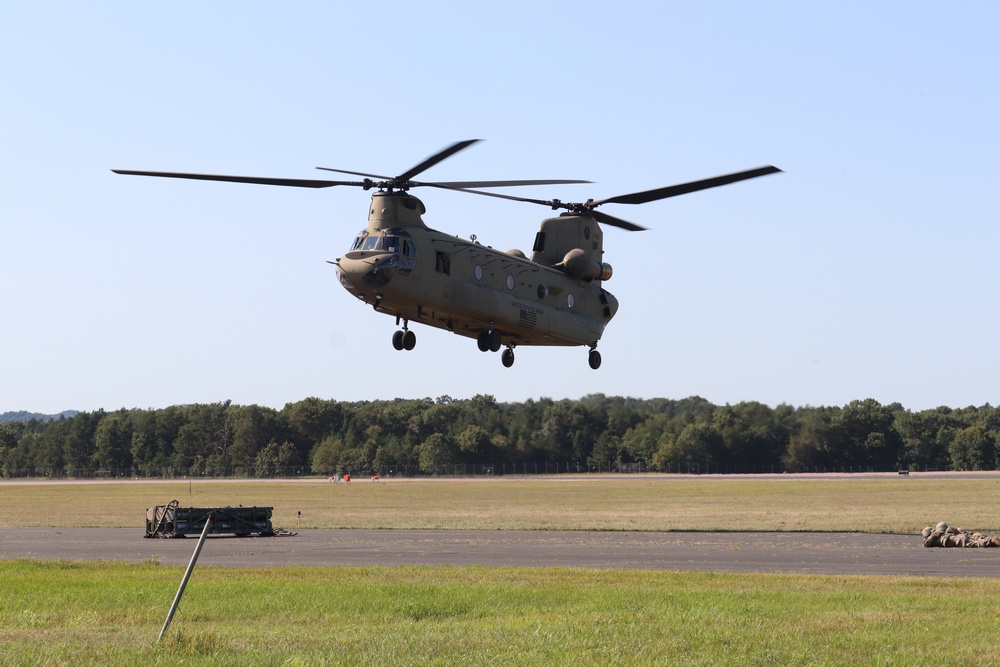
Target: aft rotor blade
(288,182)
(434,159)
(597,215)
(686,188)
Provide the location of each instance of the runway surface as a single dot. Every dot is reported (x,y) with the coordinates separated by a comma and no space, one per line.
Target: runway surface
(811,553)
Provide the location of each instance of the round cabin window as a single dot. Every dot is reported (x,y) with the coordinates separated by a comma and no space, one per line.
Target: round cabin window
(510,282)
(570,300)
(479,271)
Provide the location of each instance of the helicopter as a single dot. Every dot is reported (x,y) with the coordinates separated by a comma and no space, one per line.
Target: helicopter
(503,299)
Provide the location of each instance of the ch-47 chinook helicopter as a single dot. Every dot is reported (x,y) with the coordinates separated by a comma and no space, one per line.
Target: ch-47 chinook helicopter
(401,267)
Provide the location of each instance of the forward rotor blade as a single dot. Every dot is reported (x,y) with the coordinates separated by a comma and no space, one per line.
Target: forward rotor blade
(444,186)
(459,185)
(616,222)
(686,188)
(434,159)
(287,182)
(356,173)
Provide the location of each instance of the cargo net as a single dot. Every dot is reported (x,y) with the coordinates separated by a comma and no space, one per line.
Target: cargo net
(943,535)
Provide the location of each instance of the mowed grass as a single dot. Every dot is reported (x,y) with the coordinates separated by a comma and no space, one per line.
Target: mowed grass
(57,613)
(888,503)
(86,613)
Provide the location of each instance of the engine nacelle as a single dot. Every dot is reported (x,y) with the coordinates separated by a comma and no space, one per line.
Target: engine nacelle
(581,266)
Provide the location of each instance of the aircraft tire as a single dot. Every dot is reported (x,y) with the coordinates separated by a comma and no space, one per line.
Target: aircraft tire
(594,359)
(409,340)
(397,340)
(495,342)
(507,358)
(483,340)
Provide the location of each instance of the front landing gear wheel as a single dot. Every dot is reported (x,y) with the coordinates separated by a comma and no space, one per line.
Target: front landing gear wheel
(507,358)
(594,359)
(397,340)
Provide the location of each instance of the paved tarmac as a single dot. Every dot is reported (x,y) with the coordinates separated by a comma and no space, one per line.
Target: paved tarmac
(810,553)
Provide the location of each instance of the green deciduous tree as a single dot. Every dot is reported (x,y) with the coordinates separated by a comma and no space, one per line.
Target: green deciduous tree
(973,448)
(437,452)
(274,459)
(870,436)
(327,456)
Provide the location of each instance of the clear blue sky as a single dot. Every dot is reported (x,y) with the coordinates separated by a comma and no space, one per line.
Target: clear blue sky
(868,269)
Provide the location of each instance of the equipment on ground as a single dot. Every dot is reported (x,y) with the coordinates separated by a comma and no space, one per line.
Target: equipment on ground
(403,268)
(170,520)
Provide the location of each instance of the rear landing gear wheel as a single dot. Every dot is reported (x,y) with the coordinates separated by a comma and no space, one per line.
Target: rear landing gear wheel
(594,359)
(507,358)
(489,341)
(404,340)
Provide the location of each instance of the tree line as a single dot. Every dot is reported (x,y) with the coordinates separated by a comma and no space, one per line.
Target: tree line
(444,435)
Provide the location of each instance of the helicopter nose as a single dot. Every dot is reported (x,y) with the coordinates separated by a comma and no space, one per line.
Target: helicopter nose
(362,277)
(350,272)
(381,272)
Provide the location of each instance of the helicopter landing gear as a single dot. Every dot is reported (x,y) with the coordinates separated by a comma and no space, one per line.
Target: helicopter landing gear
(507,358)
(594,359)
(489,341)
(405,339)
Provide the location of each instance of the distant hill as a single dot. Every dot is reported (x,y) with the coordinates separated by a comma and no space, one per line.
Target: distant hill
(23,416)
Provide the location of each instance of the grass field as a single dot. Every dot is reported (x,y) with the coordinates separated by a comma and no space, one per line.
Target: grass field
(60,613)
(111,614)
(658,503)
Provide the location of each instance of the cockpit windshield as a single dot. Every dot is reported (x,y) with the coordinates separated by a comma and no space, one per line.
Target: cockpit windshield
(394,242)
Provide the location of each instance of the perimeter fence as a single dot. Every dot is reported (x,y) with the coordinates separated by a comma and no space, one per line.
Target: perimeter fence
(451,470)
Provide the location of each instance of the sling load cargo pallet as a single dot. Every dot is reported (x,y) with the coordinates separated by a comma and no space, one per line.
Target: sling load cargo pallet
(170,520)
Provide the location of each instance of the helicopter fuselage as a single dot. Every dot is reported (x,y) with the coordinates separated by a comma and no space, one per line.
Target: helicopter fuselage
(404,268)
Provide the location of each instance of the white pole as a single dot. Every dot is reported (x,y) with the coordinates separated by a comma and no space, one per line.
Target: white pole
(187,575)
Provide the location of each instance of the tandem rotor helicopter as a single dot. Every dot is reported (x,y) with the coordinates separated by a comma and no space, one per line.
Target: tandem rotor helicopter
(403,268)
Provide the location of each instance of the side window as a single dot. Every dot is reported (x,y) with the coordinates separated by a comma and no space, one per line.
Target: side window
(443,263)
(539,242)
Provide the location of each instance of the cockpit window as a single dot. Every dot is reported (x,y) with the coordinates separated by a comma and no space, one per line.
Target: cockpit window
(397,243)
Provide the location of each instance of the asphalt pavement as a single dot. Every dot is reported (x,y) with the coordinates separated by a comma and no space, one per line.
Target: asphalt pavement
(809,553)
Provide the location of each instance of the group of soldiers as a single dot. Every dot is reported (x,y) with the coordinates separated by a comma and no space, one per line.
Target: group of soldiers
(943,535)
